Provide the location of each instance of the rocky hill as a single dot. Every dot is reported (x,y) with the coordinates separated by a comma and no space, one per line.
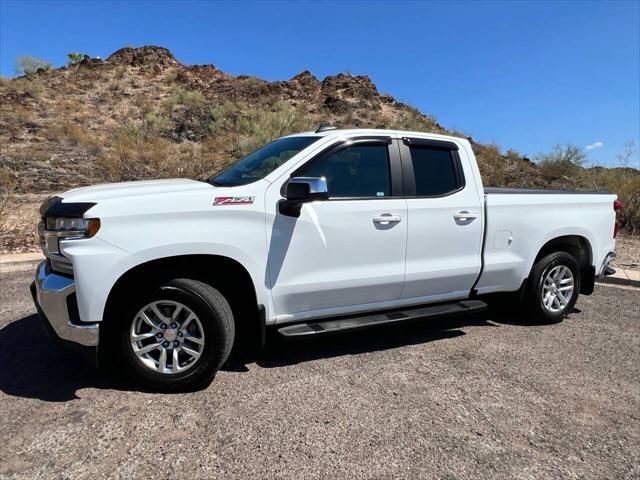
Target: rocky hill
(142,114)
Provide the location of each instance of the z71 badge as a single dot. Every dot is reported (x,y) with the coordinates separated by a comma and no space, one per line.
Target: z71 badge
(233,200)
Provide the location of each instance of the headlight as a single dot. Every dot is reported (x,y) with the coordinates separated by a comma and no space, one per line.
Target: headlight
(70,228)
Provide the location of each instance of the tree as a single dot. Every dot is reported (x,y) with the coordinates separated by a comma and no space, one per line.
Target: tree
(75,57)
(28,65)
(627,156)
(562,161)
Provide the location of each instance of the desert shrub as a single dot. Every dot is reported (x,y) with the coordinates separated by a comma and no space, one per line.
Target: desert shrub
(14,123)
(120,72)
(182,96)
(115,85)
(28,65)
(156,124)
(66,133)
(131,132)
(213,156)
(628,191)
(624,182)
(34,152)
(253,127)
(171,77)
(8,182)
(73,135)
(563,162)
(29,85)
(132,155)
(119,162)
(414,121)
(143,104)
(505,170)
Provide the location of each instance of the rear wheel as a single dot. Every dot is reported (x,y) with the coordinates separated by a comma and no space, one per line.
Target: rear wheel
(177,337)
(554,287)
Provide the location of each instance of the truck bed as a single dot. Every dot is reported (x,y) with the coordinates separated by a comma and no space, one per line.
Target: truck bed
(538,191)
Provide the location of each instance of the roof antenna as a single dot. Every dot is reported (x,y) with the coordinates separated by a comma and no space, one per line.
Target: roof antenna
(324,127)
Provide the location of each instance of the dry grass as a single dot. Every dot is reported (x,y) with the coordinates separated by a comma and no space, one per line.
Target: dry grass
(18,224)
(32,86)
(70,134)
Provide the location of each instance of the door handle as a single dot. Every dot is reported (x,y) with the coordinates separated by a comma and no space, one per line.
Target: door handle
(386,219)
(464,215)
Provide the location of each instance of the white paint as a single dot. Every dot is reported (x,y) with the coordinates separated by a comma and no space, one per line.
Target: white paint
(333,259)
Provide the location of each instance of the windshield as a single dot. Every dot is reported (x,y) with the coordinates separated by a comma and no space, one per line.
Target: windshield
(261,162)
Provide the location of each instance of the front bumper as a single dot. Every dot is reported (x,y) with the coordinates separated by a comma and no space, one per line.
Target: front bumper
(54,297)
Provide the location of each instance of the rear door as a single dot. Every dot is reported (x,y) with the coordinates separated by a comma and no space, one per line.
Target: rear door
(444,236)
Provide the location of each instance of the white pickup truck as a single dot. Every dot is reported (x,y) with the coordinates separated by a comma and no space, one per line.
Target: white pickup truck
(313,233)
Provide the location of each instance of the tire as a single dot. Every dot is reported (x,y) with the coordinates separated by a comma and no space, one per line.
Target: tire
(546,298)
(195,345)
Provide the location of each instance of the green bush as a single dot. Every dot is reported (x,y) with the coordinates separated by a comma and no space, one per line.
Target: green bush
(561,163)
(75,57)
(156,124)
(181,96)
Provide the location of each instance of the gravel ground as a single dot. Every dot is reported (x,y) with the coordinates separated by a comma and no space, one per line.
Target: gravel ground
(482,397)
(628,252)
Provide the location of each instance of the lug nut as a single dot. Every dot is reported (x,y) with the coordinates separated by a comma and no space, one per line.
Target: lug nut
(174,325)
(165,344)
(159,335)
(163,326)
(176,343)
(179,334)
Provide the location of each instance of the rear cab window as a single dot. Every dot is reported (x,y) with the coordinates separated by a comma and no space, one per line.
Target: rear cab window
(433,168)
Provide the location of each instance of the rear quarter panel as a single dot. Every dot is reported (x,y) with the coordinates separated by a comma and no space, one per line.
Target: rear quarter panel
(519,225)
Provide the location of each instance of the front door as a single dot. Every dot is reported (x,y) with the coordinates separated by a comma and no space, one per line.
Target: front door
(347,253)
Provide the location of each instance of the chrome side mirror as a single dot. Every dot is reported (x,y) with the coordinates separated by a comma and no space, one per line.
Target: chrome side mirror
(300,190)
(306,189)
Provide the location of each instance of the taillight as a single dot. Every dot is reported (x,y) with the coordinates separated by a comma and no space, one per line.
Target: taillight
(617,206)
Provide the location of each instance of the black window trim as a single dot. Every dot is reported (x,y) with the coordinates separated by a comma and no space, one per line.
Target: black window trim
(409,180)
(441,144)
(393,153)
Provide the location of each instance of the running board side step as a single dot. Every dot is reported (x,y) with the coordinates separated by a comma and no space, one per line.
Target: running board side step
(342,324)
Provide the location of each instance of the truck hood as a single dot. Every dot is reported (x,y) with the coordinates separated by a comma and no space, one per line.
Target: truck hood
(130,189)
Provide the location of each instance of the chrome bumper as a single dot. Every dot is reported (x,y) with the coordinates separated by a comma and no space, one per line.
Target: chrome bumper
(605,268)
(50,293)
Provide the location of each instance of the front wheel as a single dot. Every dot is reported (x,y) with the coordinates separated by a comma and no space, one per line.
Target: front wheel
(554,287)
(177,337)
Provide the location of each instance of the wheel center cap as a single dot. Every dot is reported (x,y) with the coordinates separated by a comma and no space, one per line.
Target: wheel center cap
(170,334)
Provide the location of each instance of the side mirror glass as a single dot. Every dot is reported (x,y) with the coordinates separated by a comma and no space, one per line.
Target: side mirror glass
(306,189)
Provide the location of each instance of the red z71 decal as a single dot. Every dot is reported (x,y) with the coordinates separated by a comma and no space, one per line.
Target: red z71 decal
(233,200)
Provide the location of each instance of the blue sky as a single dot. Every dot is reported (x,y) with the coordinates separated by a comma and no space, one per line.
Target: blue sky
(526,75)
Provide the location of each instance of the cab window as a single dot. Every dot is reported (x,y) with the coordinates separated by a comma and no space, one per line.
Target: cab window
(357,171)
(434,171)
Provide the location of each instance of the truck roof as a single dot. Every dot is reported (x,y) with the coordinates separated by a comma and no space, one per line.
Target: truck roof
(374,131)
